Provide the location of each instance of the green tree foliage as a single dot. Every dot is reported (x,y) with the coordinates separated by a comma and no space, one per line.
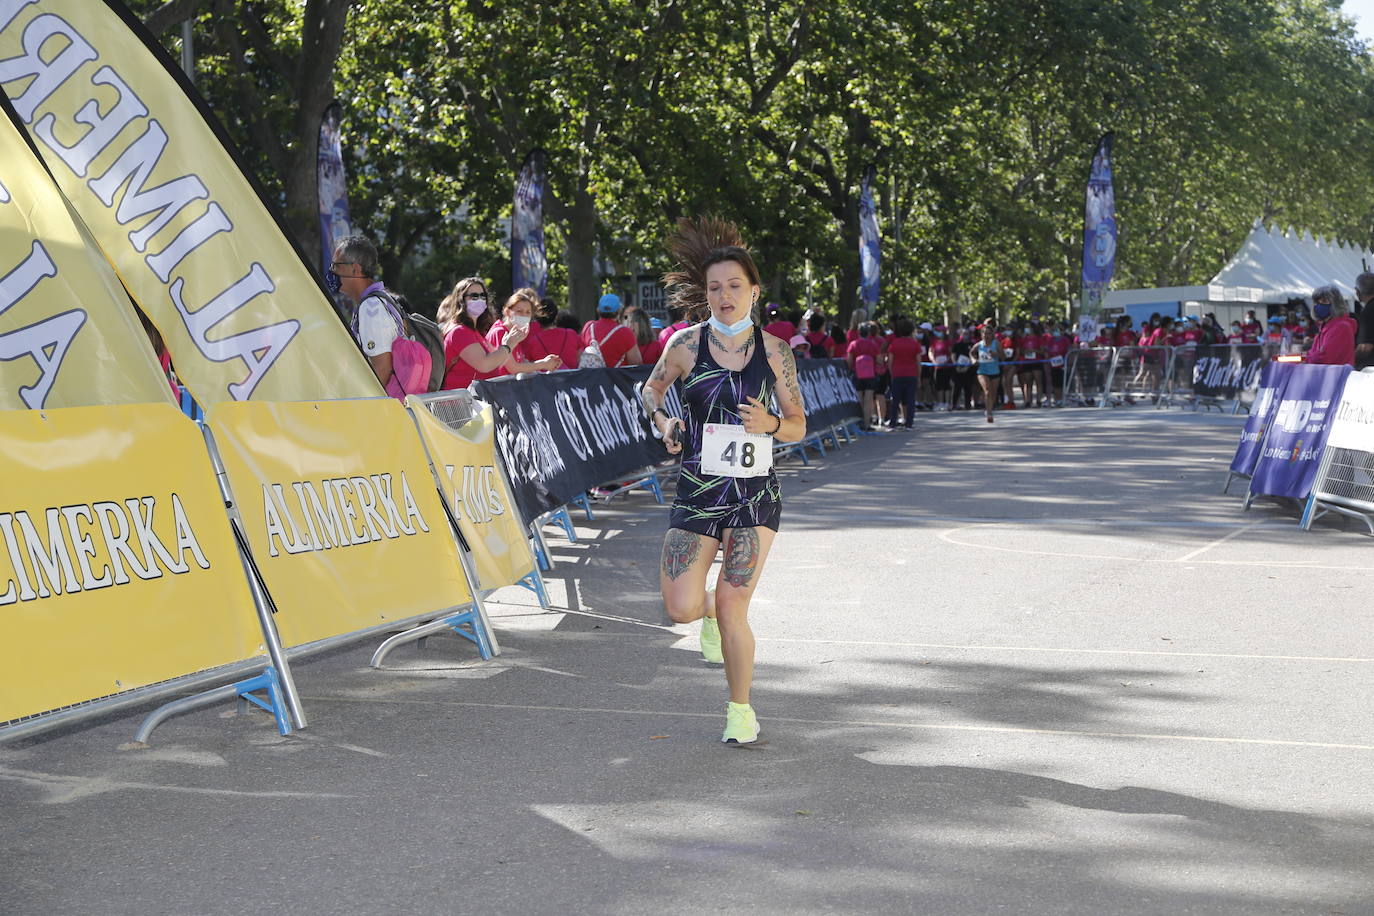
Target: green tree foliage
(980,116)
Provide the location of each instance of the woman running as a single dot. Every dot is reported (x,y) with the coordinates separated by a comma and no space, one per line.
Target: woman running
(987,354)
(727,494)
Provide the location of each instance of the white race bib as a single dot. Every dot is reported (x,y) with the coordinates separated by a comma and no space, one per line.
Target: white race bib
(728,451)
(1056,361)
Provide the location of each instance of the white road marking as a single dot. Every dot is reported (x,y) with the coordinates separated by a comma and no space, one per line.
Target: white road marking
(1218,542)
(1147,652)
(857,723)
(948,538)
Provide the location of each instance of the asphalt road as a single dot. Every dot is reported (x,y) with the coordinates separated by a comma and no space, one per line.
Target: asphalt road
(1038,667)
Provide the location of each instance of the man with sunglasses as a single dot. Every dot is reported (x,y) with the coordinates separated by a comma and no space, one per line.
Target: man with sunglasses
(376,323)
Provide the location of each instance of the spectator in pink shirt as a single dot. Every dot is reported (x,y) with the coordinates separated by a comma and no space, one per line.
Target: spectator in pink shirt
(1335,341)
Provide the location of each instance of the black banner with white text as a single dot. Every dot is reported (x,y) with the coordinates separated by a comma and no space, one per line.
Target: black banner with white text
(563,433)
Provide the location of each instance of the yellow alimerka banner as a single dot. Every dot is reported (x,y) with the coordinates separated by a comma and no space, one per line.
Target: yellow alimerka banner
(118,568)
(195,245)
(476,492)
(341,513)
(68,337)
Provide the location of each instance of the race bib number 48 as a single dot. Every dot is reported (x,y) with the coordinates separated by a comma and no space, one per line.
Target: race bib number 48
(728,451)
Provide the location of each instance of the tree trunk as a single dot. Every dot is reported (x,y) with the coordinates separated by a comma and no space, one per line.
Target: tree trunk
(851,274)
(579,225)
(322,31)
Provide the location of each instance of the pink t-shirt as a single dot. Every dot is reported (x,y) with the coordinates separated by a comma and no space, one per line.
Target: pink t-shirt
(670,330)
(906,356)
(940,351)
(822,344)
(864,346)
(555,341)
(784,329)
(650,352)
(616,339)
(1335,342)
(460,373)
(1057,346)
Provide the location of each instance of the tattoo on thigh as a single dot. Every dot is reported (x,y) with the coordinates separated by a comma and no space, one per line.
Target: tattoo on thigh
(680,550)
(742,558)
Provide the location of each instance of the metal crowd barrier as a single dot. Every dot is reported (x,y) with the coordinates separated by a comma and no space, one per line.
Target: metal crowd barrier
(1138,374)
(1086,372)
(1344,485)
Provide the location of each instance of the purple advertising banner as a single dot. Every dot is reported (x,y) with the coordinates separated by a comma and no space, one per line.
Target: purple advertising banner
(333,188)
(870,244)
(1099,228)
(528,262)
(1272,379)
(1292,448)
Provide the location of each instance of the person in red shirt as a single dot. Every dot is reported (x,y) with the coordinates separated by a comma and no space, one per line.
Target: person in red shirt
(941,353)
(904,356)
(618,344)
(1335,341)
(1251,328)
(1106,336)
(1125,336)
(857,318)
(778,324)
(1007,341)
(519,309)
(822,344)
(547,339)
(467,354)
(647,340)
(864,357)
(1057,346)
(1031,373)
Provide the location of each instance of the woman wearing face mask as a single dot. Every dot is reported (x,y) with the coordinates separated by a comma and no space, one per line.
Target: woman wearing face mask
(728,495)
(468,356)
(518,310)
(1335,341)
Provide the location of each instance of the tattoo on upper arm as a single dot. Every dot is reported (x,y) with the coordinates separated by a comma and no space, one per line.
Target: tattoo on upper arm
(681,549)
(789,377)
(741,557)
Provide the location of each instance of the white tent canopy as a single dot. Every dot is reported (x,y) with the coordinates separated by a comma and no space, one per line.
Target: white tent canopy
(1270,267)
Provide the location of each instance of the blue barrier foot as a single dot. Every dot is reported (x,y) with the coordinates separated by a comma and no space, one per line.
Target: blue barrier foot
(561,517)
(275,702)
(473,633)
(540,557)
(535,583)
(583,503)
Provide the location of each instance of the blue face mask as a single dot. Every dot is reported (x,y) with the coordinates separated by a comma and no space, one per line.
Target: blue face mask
(730,330)
(332,282)
(1321,310)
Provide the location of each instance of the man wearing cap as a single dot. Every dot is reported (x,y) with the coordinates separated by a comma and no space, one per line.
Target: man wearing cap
(1277,336)
(617,341)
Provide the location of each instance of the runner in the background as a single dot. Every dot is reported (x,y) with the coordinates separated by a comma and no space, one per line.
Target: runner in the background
(987,357)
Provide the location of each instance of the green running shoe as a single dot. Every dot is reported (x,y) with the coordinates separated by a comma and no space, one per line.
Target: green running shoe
(741,725)
(710,640)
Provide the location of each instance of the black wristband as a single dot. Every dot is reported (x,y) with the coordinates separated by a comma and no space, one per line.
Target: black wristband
(660,410)
(776,428)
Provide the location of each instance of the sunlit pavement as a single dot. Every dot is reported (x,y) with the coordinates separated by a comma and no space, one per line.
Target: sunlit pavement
(1038,666)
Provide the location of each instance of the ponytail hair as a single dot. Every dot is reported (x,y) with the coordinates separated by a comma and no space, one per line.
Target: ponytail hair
(696,245)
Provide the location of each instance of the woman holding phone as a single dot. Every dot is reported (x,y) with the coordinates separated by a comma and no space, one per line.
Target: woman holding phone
(517,312)
(728,495)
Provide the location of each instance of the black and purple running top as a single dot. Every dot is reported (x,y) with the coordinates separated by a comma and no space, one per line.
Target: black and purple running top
(706,504)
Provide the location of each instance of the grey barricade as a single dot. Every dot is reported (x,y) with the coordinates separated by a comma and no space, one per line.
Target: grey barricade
(1138,373)
(1085,375)
(1345,478)
(1178,386)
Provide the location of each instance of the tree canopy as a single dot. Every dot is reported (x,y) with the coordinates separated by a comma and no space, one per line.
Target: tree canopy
(980,116)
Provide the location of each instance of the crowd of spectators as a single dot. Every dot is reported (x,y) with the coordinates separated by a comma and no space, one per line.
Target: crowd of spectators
(900,366)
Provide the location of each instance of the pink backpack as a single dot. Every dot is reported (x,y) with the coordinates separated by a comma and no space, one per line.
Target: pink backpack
(410,365)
